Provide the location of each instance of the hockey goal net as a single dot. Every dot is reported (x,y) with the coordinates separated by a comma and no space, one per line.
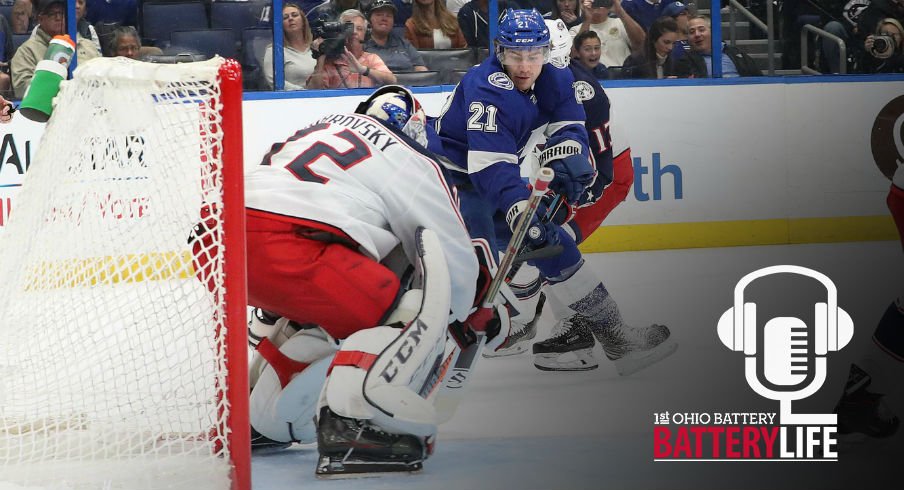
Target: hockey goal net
(122,299)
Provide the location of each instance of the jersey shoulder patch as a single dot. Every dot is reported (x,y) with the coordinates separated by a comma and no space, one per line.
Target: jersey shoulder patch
(583,91)
(501,80)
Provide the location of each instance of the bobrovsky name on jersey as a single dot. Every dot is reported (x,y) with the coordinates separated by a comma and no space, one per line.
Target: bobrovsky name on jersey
(657,181)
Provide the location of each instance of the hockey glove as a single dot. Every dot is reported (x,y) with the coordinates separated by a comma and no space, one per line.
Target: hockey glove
(573,170)
(539,234)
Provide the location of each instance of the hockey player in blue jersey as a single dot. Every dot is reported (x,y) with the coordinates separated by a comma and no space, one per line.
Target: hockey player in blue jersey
(484,130)
(488,120)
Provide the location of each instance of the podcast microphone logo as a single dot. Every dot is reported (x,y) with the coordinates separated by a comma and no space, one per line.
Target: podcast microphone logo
(787,362)
(793,357)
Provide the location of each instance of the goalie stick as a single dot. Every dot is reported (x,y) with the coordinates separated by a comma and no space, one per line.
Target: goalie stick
(471,336)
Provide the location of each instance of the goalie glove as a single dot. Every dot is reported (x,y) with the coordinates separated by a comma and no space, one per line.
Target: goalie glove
(574,173)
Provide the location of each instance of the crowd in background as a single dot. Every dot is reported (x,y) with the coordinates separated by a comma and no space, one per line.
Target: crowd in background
(613,38)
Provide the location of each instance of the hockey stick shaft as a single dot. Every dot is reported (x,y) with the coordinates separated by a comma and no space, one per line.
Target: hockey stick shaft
(541,184)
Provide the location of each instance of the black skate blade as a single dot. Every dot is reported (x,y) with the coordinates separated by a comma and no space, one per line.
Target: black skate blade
(333,467)
(568,369)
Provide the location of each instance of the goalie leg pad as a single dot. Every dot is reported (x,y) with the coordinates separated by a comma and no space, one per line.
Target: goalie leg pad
(284,399)
(384,374)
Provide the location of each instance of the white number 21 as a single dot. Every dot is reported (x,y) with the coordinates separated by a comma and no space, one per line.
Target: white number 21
(474,121)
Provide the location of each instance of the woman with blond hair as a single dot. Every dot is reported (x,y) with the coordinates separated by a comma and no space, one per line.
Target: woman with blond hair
(432,26)
(298,62)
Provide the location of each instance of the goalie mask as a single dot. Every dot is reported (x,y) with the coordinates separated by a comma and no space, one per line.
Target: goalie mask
(396,107)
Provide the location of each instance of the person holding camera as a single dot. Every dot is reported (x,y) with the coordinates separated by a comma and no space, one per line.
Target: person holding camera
(619,36)
(885,48)
(341,59)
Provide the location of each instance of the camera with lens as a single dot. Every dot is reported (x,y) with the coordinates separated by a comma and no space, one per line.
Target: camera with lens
(602,4)
(883,46)
(334,35)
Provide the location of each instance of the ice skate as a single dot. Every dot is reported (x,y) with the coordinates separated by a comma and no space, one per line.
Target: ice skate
(569,347)
(635,348)
(518,341)
(862,413)
(350,447)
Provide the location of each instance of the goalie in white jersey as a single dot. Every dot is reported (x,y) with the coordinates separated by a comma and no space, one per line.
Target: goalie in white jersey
(326,211)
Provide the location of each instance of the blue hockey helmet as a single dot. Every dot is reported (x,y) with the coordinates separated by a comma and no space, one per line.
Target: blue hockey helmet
(522,30)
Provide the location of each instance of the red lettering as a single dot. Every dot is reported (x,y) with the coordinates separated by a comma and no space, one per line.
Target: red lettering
(732,441)
(698,440)
(716,432)
(769,435)
(682,444)
(661,446)
(751,437)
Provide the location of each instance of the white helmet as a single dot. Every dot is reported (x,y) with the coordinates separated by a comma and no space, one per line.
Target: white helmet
(396,106)
(559,43)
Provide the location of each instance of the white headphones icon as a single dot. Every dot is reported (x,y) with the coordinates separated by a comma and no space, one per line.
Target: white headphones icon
(834,327)
(833,330)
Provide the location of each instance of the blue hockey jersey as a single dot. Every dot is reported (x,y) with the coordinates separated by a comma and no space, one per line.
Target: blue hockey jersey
(487,122)
(590,94)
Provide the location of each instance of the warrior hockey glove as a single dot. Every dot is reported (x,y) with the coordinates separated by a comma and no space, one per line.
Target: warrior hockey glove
(540,234)
(573,170)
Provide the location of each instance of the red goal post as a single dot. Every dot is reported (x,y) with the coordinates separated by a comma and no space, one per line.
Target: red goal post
(123,359)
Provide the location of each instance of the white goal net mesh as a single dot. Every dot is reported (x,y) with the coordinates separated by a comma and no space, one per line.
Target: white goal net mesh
(113,371)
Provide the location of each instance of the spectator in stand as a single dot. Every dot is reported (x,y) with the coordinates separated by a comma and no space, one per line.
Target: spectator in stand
(6,54)
(619,36)
(735,63)
(586,51)
(126,42)
(839,19)
(431,26)
(657,59)
(875,14)
(887,57)
(85,29)
(51,22)
(859,20)
(354,68)
(398,54)
(22,21)
(645,12)
(122,12)
(472,18)
(298,61)
(678,11)
(569,11)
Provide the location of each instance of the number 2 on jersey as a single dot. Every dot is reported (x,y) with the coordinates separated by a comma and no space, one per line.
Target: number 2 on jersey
(301,165)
